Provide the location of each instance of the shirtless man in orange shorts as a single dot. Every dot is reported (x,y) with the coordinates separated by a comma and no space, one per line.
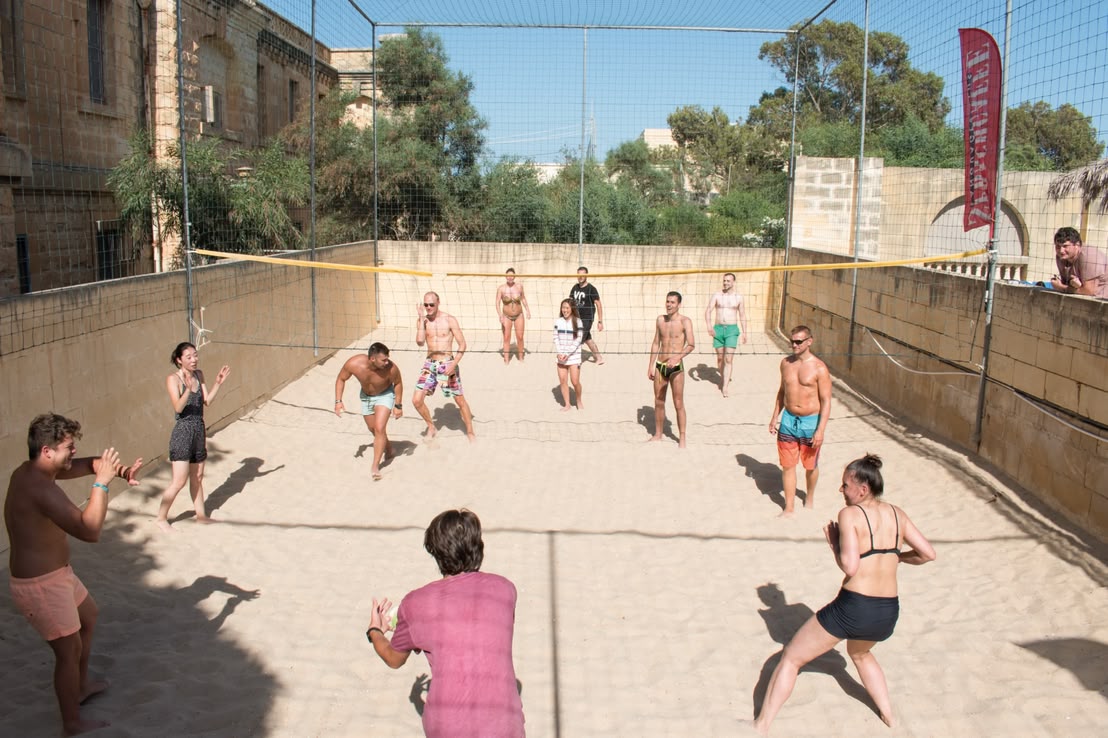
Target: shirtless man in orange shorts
(800,415)
(39,518)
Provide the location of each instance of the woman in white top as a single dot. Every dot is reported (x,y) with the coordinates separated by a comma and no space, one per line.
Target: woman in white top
(569,332)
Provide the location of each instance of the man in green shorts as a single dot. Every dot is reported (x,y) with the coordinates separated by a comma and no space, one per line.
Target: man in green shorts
(730,314)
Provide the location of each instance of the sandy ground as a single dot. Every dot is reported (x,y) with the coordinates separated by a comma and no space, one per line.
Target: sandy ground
(655,585)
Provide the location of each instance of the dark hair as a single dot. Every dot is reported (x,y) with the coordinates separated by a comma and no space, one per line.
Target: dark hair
(1067,233)
(175,357)
(510,270)
(801,329)
(50,429)
(454,539)
(730,274)
(378,348)
(584,269)
(674,293)
(867,471)
(572,314)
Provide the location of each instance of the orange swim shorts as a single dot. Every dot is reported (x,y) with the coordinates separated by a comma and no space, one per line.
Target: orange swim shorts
(794,440)
(49,602)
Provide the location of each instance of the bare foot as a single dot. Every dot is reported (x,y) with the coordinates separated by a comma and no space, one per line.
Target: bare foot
(519,357)
(810,506)
(205,520)
(376,474)
(471,436)
(681,442)
(92,688)
(429,433)
(163,525)
(652,439)
(888,720)
(84,726)
(579,406)
(725,386)
(599,360)
(565,408)
(786,513)
(749,725)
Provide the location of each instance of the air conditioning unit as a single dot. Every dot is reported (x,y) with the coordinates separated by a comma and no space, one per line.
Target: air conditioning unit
(213,106)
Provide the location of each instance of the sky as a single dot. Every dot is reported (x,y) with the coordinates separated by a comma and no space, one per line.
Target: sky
(538,88)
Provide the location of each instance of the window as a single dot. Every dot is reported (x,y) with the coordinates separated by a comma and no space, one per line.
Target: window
(213,107)
(294,88)
(23,259)
(97,15)
(262,103)
(108,247)
(11,37)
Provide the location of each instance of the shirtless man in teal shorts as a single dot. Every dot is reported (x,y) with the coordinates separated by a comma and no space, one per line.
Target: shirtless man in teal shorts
(730,313)
(673,341)
(381,385)
(800,414)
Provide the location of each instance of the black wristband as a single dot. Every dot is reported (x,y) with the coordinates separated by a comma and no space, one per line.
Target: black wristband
(399,406)
(369,636)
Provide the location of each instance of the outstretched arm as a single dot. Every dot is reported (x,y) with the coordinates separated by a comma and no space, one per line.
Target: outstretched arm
(378,626)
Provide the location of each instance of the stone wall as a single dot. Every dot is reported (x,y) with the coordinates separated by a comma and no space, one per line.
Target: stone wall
(99,353)
(1048,366)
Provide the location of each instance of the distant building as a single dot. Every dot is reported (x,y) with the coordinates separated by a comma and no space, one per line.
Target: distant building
(80,77)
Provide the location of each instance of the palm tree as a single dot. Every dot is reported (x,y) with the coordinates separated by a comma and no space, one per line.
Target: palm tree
(1091,181)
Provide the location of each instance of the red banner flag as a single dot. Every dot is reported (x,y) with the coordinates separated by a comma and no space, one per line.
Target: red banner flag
(981,107)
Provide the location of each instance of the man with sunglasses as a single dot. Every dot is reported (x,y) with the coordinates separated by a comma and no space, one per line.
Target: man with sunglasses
(439,331)
(800,414)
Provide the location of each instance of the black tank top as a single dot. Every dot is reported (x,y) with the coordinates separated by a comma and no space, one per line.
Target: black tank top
(194,406)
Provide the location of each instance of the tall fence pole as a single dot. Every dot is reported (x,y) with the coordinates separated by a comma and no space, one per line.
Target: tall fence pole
(990,278)
(792,186)
(311,180)
(858,184)
(584,105)
(186,226)
(376,182)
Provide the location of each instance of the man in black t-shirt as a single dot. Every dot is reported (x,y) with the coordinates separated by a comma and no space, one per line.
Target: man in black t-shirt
(588,306)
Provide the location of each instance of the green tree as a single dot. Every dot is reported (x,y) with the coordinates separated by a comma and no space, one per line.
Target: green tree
(516,209)
(633,163)
(830,78)
(712,149)
(1064,137)
(430,140)
(244,211)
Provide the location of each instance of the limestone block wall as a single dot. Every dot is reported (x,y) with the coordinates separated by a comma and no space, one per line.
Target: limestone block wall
(99,353)
(825,204)
(1048,361)
(630,303)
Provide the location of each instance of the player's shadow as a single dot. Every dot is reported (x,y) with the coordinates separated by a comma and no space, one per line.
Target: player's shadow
(767,478)
(1086,659)
(782,622)
(645,418)
(236,482)
(449,417)
(422,684)
(556,393)
(704,373)
(205,586)
(399,448)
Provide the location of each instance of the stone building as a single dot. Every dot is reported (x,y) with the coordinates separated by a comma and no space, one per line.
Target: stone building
(79,77)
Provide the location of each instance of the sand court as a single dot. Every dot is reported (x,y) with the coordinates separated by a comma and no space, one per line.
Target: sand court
(655,585)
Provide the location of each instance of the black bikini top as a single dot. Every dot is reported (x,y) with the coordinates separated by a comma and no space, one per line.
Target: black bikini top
(873,550)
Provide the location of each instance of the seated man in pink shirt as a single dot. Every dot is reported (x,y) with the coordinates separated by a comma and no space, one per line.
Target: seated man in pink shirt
(464,623)
(1082,270)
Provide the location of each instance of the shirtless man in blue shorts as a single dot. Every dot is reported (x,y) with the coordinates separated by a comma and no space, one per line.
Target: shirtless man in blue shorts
(800,415)
(381,385)
(440,331)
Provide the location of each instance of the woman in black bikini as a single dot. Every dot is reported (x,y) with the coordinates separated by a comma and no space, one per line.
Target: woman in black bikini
(187,447)
(866,609)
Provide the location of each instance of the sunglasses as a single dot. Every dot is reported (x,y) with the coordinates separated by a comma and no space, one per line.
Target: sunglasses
(429,304)
(795,342)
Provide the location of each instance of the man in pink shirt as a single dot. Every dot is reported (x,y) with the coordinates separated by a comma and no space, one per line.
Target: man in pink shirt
(1082,270)
(464,623)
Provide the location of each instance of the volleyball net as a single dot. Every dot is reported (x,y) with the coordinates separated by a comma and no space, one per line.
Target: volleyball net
(340,302)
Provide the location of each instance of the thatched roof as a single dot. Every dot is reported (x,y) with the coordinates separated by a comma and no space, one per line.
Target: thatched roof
(1091,181)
